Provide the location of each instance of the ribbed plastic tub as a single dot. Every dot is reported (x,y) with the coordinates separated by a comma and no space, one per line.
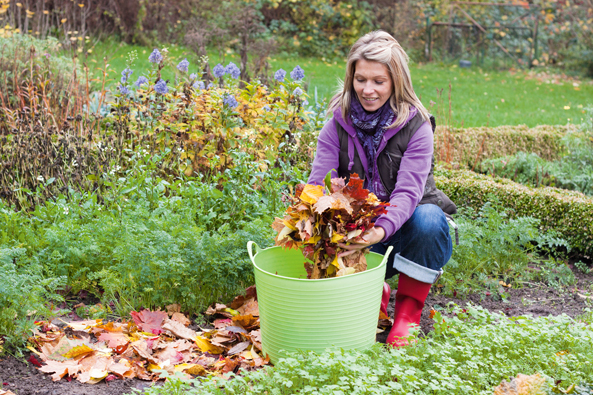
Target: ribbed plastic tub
(314,315)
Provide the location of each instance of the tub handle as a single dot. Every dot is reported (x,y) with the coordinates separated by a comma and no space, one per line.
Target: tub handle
(250,245)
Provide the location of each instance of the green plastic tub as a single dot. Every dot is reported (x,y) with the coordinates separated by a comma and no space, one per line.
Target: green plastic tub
(301,314)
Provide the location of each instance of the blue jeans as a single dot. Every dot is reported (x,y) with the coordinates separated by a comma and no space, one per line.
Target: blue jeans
(421,247)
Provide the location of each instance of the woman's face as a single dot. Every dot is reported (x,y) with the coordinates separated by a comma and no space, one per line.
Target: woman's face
(372,84)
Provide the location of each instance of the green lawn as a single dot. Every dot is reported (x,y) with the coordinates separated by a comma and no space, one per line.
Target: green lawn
(478,97)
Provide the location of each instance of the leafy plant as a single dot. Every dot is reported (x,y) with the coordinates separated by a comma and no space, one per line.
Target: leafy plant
(25,294)
(494,248)
(470,351)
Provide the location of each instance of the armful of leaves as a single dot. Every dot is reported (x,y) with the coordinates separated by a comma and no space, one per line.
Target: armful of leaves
(316,221)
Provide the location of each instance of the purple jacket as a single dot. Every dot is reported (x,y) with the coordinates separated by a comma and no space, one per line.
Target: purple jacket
(411,178)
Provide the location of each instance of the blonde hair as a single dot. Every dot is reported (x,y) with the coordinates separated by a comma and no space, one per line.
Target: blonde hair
(380,46)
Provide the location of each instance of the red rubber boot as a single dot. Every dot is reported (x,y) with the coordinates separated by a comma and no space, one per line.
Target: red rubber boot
(409,301)
(385,298)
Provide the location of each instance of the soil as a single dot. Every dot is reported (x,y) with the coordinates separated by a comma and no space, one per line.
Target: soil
(22,378)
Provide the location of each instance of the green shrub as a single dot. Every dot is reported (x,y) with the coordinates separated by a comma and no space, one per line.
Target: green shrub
(25,294)
(568,213)
(466,148)
(574,170)
(470,352)
(493,247)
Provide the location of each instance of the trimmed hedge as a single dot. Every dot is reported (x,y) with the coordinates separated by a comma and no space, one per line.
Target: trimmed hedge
(465,148)
(568,212)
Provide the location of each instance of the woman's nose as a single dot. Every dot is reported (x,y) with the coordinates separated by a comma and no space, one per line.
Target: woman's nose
(368,88)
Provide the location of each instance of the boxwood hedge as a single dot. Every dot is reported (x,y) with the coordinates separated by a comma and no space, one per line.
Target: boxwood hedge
(465,148)
(568,212)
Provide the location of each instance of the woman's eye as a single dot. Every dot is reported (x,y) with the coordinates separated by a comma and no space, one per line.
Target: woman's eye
(379,82)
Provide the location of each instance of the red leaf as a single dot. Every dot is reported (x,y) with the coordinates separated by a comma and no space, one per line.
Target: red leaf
(111,377)
(149,321)
(34,361)
(354,188)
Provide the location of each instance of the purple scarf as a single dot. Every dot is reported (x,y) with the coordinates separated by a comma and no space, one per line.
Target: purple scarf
(370,128)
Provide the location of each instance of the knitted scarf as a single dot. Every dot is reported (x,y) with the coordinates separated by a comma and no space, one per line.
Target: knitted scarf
(370,128)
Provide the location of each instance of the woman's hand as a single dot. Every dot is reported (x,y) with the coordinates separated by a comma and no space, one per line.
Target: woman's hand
(370,237)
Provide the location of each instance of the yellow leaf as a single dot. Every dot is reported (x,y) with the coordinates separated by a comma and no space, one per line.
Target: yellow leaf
(336,237)
(205,346)
(311,193)
(78,351)
(335,262)
(313,240)
(191,368)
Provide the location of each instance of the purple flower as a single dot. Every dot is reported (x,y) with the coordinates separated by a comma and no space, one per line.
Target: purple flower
(297,73)
(125,74)
(232,70)
(229,100)
(305,103)
(218,70)
(279,75)
(183,65)
(198,85)
(297,92)
(123,90)
(161,87)
(141,81)
(266,108)
(155,56)
(210,85)
(193,76)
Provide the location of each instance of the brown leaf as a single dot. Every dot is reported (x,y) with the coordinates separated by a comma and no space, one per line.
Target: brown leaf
(60,369)
(251,292)
(121,370)
(238,302)
(237,348)
(179,329)
(173,308)
(249,307)
(255,337)
(522,385)
(246,321)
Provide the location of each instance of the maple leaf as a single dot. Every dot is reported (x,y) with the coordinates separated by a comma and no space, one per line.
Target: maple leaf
(247,321)
(60,369)
(354,189)
(179,330)
(149,321)
(78,351)
(206,346)
(311,193)
(249,307)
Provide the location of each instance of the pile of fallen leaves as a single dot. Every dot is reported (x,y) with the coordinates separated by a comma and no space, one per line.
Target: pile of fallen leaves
(319,218)
(151,342)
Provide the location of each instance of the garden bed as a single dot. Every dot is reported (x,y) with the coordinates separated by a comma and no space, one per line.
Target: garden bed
(534,299)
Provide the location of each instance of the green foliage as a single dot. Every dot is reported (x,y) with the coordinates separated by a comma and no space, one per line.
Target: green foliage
(470,352)
(149,242)
(494,248)
(25,294)
(568,213)
(318,27)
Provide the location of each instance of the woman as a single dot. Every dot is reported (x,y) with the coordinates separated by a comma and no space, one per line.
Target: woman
(381,131)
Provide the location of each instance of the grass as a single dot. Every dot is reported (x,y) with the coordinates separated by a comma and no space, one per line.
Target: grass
(479,97)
